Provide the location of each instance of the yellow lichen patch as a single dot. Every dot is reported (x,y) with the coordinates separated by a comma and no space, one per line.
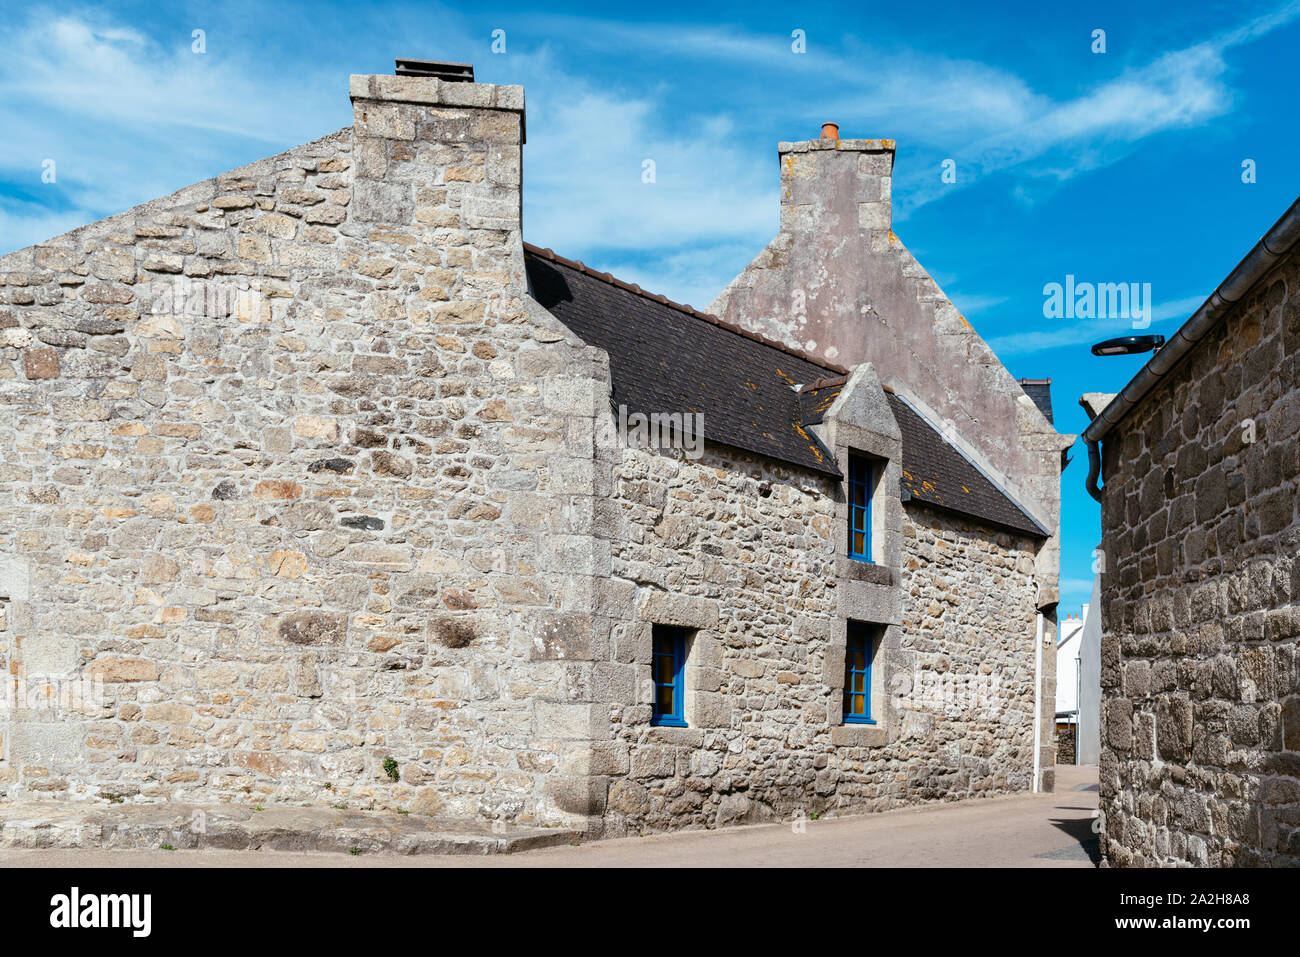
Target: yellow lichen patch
(786,377)
(965,489)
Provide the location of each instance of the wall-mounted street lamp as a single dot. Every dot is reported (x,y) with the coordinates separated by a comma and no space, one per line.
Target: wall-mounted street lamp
(1128,345)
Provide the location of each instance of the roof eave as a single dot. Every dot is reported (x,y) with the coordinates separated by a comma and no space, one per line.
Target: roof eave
(1263,256)
(1036,531)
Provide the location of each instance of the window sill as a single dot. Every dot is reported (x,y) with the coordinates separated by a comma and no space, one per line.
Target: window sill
(669,723)
(685,736)
(858,736)
(870,572)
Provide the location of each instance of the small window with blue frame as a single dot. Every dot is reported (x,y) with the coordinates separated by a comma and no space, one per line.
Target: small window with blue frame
(858,654)
(669,667)
(861,480)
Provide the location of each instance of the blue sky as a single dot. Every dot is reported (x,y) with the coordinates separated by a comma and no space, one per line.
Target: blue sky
(1123,166)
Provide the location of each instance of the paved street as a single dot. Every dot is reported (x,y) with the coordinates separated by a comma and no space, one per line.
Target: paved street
(1049,830)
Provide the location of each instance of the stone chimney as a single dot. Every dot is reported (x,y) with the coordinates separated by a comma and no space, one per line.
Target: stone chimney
(833,189)
(439,153)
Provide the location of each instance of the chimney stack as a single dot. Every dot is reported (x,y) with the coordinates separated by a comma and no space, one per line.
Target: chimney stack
(836,188)
(434,149)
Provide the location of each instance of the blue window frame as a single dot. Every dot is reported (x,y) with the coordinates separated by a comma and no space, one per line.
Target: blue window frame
(858,653)
(861,480)
(669,667)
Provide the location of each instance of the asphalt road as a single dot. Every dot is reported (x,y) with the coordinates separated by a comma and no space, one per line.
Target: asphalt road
(1046,830)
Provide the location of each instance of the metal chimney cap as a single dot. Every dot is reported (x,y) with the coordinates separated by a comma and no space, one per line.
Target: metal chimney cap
(451,72)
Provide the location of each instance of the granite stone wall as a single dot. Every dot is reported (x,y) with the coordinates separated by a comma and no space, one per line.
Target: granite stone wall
(1200,672)
(839,282)
(292,480)
(744,555)
(303,499)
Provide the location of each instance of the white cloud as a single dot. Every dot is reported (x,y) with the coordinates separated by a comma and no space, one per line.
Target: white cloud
(583,184)
(71,67)
(127,120)
(1088,331)
(987,119)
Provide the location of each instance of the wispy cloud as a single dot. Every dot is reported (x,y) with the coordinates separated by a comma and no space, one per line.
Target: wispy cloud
(128,117)
(68,66)
(589,157)
(1087,331)
(987,119)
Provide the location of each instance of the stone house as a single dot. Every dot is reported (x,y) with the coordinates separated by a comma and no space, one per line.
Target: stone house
(316,476)
(1200,593)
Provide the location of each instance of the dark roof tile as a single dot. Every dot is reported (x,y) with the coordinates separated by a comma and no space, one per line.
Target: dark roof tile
(668,358)
(755,394)
(936,473)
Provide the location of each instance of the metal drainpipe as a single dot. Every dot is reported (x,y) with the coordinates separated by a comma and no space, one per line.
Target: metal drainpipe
(1094,470)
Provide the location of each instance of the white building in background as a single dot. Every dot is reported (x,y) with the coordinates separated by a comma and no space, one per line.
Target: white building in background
(1067,664)
(1088,739)
(1078,687)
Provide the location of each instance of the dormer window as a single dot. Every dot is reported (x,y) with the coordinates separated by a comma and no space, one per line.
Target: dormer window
(861,481)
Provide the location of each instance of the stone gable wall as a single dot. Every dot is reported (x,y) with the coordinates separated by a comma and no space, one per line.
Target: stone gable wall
(1200,672)
(840,283)
(313,511)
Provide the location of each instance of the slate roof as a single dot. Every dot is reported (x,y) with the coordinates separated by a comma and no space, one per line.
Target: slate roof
(667,357)
(1040,390)
(938,474)
(933,471)
(817,397)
